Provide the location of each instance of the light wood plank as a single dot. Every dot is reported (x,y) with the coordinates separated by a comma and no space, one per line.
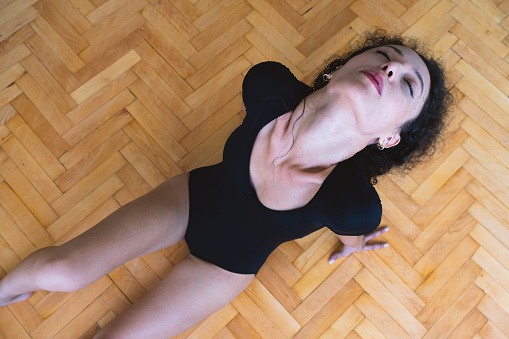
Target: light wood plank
(102,100)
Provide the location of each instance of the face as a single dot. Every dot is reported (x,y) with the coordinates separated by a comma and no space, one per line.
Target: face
(383,88)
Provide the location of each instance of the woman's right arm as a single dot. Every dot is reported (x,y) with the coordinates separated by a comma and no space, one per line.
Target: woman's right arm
(358,244)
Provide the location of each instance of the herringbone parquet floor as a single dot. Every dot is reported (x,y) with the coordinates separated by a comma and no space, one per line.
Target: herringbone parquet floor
(102,100)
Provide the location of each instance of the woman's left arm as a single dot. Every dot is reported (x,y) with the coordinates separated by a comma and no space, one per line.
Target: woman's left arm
(358,244)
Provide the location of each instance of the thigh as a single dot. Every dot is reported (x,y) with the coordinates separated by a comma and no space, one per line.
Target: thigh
(192,291)
(152,222)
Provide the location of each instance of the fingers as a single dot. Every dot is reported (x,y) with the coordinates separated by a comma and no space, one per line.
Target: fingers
(376,233)
(374,247)
(336,256)
(366,247)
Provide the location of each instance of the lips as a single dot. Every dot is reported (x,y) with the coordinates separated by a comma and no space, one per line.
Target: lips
(376,78)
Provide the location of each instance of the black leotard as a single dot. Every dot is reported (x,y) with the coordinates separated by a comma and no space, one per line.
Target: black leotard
(230,227)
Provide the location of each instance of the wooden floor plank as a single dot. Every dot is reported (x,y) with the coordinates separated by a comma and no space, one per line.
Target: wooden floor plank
(34,145)
(449,293)
(103,100)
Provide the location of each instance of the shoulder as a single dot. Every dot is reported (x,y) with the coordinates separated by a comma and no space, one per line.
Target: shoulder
(266,77)
(269,68)
(351,186)
(272,86)
(348,203)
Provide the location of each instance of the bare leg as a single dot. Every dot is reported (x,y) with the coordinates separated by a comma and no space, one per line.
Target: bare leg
(155,221)
(192,291)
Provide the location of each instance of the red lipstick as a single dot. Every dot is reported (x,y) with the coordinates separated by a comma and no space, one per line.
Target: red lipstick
(376,78)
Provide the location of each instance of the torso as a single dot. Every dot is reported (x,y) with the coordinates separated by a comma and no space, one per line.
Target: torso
(240,211)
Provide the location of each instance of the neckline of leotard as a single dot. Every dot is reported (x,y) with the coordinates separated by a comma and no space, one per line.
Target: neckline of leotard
(253,192)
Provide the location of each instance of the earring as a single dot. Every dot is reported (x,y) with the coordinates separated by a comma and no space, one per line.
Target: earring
(381,146)
(326,76)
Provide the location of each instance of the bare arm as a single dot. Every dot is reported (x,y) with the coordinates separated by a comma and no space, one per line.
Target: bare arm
(358,244)
(352,241)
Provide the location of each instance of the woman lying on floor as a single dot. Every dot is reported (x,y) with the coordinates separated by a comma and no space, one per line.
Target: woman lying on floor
(304,158)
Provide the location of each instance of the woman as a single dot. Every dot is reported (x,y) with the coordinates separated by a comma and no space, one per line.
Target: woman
(303,158)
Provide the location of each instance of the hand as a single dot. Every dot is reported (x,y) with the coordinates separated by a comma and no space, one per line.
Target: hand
(347,250)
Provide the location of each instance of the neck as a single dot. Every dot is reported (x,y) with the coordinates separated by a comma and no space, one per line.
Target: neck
(309,140)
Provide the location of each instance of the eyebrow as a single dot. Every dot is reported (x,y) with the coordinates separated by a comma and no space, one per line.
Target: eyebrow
(400,53)
(397,50)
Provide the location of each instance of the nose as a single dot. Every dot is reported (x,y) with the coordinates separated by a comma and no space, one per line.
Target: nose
(391,69)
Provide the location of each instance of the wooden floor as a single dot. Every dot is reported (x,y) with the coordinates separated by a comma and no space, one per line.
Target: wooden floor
(102,100)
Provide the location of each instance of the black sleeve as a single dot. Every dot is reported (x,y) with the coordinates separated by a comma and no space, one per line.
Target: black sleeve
(271,88)
(368,219)
(347,203)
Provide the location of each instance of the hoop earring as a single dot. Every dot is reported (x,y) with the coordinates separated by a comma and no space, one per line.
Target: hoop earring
(325,77)
(381,146)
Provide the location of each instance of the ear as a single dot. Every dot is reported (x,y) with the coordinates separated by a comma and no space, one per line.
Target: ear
(390,141)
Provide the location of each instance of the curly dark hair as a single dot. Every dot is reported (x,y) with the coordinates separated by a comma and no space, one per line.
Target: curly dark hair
(419,136)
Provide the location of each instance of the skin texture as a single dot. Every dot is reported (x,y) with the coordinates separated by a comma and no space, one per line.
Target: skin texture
(338,121)
(406,82)
(349,111)
(193,290)
(347,114)
(359,244)
(380,116)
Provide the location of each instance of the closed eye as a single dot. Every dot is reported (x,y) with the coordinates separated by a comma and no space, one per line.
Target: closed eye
(410,88)
(386,56)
